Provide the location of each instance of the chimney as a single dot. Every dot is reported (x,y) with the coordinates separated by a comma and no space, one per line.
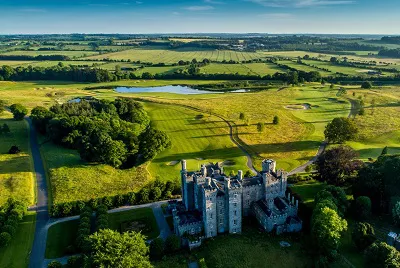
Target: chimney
(227,183)
(203,170)
(240,175)
(183,165)
(297,203)
(208,181)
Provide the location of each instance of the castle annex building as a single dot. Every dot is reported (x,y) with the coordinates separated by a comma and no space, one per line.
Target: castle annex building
(214,203)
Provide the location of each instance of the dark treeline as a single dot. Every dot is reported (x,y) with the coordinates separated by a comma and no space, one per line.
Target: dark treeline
(116,133)
(35,58)
(391,39)
(394,53)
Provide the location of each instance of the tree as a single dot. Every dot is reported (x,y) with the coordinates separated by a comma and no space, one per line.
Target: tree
(112,249)
(5,238)
(14,150)
(155,193)
(396,213)
(18,111)
(260,127)
(152,142)
(275,121)
(54,264)
(363,207)
(363,235)
(381,255)
(337,165)
(157,249)
(242,116)
(5,129)
(340,130)
(385,151)
(327,230)
(172,244)
(366,85)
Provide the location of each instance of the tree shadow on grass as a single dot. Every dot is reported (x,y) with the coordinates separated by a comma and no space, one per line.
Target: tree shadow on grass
(15,164)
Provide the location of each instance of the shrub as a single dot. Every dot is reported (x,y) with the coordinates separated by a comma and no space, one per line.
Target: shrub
(18,111)
(202,263)
(366,85)
(14,150)
(172,244)
(9,229)
(157,249)
(5,238)
(275,121)
(363,207)
(132,198)
(382,255)
(363,235)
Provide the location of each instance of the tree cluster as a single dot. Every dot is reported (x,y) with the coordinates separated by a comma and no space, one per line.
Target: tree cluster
(18,111)
(159,248)
(341,129)
(327,225)
(10,215)
(116,133)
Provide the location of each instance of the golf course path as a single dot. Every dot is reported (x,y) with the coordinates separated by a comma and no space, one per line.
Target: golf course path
(41,208)
(322,147)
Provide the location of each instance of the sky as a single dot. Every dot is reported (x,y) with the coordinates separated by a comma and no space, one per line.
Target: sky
(200,16)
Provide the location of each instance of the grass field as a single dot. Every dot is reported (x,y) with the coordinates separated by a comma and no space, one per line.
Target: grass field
(65,63)
(158,70)
(243,69)
(15,63)
(308,190)
(17,254)
(71,54)
(250,249)
(305,68)
(198,140)
(62,235)
(160,54)
(16,176)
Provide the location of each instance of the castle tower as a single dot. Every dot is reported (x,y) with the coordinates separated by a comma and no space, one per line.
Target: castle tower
(187,187)
(240,175)
(268,165)
(210,211)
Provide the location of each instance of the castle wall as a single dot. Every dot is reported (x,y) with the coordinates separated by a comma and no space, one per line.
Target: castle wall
(251,194)
(234,209)
(210,212)
(221,212)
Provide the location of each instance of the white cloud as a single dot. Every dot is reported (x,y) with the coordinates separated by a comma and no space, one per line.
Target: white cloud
(199,8)
(300,3)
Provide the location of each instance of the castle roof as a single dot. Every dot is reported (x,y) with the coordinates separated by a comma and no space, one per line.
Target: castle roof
(251,181)
(188,217)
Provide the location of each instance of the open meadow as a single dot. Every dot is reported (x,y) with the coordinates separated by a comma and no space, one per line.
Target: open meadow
(71,54)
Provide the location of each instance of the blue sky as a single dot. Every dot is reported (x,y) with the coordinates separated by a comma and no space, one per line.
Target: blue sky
(178,16)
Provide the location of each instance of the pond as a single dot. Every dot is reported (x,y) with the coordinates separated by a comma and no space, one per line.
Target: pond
(184,90)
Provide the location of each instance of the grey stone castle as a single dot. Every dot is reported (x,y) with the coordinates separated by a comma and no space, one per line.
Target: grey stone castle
(214,203)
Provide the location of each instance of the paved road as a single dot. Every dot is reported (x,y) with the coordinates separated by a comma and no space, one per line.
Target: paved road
(42,213)
(353,112)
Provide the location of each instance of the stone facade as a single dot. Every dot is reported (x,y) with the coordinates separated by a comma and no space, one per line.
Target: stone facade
(214,203)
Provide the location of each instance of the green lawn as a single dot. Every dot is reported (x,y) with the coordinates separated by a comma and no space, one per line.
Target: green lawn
(243,69)
(16,176)
(308,190)
(198,140)
(59,237)
(62,235)
(17,254)
(250,249)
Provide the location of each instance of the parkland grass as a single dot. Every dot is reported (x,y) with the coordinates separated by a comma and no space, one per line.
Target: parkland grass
(16,172)
(17,253)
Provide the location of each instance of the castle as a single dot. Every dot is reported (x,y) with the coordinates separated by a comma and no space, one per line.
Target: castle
(213,203)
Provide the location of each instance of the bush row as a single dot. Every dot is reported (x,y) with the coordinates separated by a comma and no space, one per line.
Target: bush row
(10,216)
(82,243)
(102,218)
(155,191)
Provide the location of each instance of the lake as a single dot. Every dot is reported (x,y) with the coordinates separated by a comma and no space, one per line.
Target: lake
(184,90)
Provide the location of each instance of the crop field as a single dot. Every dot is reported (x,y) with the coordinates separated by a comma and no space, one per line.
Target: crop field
(71,54)
(244,69)
(305,68)
(158,55)
(158,70)
(65,63)
(196,137)
(14,63)
(337,68)
(16,176)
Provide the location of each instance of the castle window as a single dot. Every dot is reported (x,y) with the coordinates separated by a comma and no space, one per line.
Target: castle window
(234,222)
(192,231)
(234,204)
(234,213)
(221,211)
(211,215)
(248,202)
(221,221)
(235,195)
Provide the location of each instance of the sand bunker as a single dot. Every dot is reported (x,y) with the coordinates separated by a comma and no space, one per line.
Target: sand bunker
(304,106)
(173,163)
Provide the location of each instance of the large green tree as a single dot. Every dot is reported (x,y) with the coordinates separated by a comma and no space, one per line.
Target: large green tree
(341,129)
(19,111)
(152,142)
(381,255)
(363,235)
(112,249)
(327,229)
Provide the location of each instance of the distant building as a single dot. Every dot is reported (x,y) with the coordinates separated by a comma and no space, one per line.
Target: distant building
(213,203)
(393,240)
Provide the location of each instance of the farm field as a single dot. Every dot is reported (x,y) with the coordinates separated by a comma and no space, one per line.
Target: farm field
(65,63)
(17,253)
(158,70)
(14,63)
(196,137)
(72,54)
(16,173)
(244,69)
(62,235)
(305,68)
(158,55)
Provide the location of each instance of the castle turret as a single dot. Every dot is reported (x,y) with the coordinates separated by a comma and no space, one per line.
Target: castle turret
(227,182)
(268,165)
(183,165)
(203,170)
(240,175)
